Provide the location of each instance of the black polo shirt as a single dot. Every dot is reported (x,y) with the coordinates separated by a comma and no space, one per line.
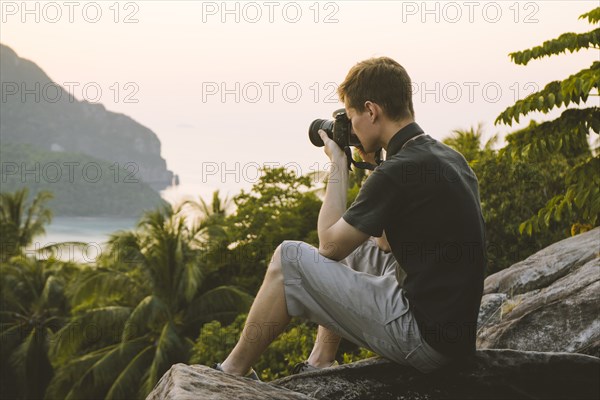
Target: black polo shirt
(426,199)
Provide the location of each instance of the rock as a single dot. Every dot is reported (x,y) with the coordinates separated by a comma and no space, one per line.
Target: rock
(194,382)
(547,265)
(490,374)
(562,317)
(490,309)
(555,304)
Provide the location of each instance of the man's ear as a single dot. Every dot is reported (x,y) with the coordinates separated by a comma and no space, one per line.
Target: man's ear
(373,109)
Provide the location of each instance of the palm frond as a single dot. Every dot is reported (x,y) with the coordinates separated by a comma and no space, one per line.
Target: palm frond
(66,374)
(222,303)
(53,248)
(10,337)
(150,312)
(191,280)
(53,293)
(99,284)
(124,247)
(169,349)
(30,362)
(91,327)
(130,378)
(101,374)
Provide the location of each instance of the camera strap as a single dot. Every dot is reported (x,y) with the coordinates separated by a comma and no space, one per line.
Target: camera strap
(362,164)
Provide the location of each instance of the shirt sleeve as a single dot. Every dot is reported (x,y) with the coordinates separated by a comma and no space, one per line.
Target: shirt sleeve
(374,205)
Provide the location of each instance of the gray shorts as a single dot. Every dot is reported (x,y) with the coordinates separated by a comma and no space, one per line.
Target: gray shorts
(359,298)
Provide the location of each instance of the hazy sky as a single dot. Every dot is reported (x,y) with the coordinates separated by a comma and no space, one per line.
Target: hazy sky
(231,86)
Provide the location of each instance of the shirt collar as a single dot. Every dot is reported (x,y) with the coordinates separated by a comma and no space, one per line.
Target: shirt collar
(401,137)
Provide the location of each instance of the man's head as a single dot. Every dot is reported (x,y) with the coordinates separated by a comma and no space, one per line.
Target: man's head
(382,81)
(377,94)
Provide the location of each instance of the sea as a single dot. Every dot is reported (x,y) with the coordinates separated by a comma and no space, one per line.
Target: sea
(84,238)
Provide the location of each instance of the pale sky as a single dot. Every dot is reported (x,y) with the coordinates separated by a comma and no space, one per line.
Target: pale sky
(279,64)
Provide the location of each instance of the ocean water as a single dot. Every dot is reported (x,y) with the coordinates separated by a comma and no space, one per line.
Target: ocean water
(91,232)
(85,229)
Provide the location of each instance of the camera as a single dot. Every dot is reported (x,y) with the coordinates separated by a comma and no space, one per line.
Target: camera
(339,130)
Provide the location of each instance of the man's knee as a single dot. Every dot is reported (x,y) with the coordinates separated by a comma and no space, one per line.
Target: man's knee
(287,251)
(275,263)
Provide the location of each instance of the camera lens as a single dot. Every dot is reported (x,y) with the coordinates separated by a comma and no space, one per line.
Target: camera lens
(313,131)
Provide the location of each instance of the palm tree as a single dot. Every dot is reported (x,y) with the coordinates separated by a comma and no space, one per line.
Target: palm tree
(210,218)
(468,143)
(33,306)
(155,279)
(18,227)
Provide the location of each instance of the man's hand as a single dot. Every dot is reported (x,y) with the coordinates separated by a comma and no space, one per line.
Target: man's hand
(333,151)
(383,243)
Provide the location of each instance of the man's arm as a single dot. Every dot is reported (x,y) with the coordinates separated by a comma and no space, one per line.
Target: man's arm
(337,238)
(382,241)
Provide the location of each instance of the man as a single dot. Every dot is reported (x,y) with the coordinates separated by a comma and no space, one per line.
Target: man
(422,203)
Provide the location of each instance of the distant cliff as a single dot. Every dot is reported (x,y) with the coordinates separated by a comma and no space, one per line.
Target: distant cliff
(31,114)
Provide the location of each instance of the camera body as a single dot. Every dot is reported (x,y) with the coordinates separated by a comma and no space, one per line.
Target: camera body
(339,130)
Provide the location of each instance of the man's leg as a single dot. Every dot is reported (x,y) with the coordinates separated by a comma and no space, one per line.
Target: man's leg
(367,258)
(325,348)
(267,318)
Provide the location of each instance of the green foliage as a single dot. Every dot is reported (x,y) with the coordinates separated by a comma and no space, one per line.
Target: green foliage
(222,303)
(539,140)
(468,143)
(511,191)
(575,89)
(210,220)
(582,196)
(566,135)
(593,16)
(101,286)
(33,307)
(362,353)
(567,41)
(21,223)
(216,341)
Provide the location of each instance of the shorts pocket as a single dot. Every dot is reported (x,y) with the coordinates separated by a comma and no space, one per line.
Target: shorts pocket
(400,308)
(404,334)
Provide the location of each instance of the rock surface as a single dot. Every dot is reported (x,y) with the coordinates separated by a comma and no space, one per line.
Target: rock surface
(490,374)
(546,266)
(490,309)
(548,302)
(194,382)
